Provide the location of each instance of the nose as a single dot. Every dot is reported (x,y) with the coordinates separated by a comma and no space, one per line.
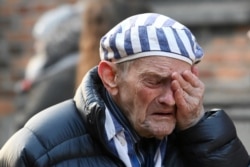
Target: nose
(166,97)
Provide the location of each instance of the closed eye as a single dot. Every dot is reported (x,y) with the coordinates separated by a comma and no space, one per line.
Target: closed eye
(154,80)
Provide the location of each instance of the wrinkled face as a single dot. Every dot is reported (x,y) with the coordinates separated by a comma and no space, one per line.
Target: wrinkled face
(145,95)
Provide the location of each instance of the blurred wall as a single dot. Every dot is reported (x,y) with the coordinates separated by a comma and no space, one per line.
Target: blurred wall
(17,18)
(220,28)
(16,44)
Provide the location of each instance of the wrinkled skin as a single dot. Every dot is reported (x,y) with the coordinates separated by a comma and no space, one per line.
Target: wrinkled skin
(156,94)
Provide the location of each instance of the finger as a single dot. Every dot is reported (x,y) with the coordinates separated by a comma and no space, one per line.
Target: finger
(179,94)
(189,83)
(180,100)
(191,78)
(195,70)
(182,82)
(175,85)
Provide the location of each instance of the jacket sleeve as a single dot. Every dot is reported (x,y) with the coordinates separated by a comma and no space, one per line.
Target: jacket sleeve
(14,153)
(213,142)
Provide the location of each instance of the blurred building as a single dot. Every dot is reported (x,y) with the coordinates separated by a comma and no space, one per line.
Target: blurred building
(220,26)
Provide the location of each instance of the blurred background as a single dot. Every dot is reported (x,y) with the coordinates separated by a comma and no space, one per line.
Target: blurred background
(31,43)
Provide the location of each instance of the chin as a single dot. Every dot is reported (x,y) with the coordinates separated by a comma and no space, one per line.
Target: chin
(163,130)
(157,129)
(160,135)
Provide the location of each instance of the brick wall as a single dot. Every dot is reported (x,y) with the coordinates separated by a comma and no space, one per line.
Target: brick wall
(225,68)
(17,18)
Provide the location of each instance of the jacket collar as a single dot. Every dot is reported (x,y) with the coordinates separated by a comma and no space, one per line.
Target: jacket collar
(89,102)
(91,98)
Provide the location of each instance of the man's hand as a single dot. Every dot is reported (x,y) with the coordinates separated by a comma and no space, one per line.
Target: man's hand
(188,93)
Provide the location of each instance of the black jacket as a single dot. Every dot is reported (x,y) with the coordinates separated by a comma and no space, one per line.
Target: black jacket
(71,134)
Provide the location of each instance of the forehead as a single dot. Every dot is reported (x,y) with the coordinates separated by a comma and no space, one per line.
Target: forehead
(160,64)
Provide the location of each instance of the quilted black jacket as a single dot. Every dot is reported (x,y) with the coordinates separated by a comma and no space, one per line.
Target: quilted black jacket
(70,134)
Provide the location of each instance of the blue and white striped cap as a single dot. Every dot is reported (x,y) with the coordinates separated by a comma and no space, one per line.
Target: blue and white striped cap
(150,34)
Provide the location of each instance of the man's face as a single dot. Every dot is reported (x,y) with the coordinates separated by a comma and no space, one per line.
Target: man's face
(145,95)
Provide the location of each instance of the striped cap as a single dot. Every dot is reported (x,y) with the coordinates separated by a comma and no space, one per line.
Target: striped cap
(150,34)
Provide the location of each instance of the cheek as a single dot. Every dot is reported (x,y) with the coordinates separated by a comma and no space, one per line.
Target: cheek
(142,100)
(144,97)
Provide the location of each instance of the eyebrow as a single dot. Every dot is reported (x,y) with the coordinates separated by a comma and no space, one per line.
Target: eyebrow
(154,74)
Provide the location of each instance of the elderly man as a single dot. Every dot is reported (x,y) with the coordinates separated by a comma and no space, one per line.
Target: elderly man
(142,106)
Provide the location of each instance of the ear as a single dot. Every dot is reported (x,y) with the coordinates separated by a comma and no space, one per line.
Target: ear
(107,73)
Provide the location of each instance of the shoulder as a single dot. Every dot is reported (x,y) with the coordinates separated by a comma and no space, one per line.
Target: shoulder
(215,122)
(56,125)
(55,119)
(216,126)
(56,131)
(213,141)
